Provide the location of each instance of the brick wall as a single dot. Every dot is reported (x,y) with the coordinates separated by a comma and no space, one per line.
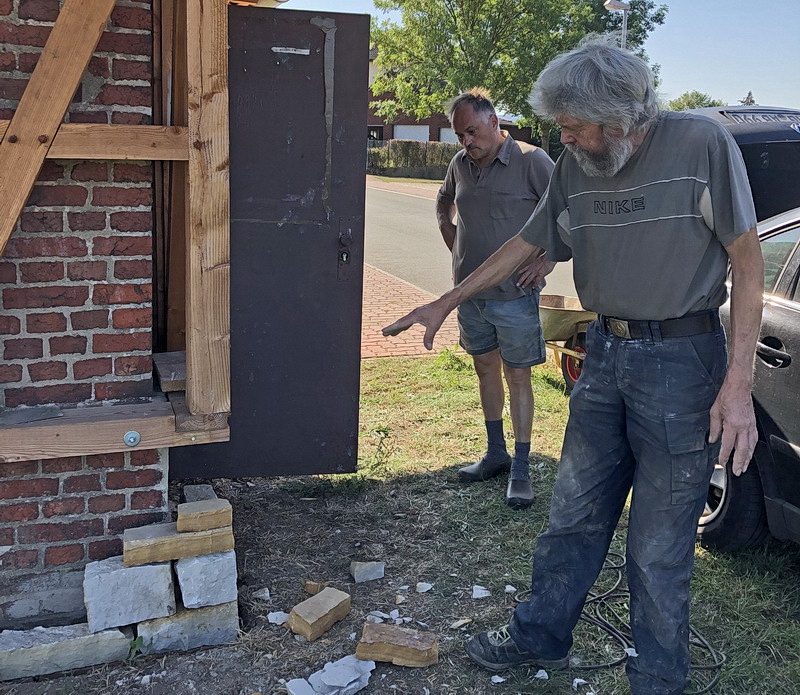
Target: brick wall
(58,514)
(76,321)
(76,276)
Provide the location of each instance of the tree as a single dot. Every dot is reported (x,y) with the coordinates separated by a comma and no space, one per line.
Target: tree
(748,100)
(444,47)
(692,100)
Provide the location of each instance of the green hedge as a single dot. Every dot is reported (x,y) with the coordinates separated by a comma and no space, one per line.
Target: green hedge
(391,154)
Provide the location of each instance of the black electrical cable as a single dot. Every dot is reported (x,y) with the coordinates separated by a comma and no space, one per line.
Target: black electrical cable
(600,604)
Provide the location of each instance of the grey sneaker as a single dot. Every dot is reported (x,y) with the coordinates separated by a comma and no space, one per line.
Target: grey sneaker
(484,469)
(496,651)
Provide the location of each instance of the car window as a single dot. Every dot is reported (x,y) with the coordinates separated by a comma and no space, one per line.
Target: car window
(776,250)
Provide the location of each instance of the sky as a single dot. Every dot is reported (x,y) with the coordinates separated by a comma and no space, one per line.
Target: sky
(723,48)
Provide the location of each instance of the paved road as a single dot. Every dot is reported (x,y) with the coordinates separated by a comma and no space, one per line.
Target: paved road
(401,238)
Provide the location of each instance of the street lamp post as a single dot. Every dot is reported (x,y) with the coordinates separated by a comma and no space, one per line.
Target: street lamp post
(612,5)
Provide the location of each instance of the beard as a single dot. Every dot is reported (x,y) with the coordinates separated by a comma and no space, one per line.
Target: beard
(607,163)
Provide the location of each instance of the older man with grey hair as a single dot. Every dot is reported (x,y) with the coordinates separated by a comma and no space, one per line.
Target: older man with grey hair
(651,207)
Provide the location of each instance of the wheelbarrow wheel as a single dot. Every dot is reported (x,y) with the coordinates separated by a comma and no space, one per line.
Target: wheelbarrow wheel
(571,367)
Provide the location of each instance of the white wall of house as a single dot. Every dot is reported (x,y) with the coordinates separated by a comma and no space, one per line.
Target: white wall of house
(411,132)
(447,135)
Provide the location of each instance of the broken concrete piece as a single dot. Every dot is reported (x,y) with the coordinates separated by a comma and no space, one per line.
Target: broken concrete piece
(343,677)
(207,580)
(188,629)
(278,617)
(480,592)
(27,653)
(313,588)
(116,595)
(262,594)
(194,493)
(366,571)
(204,515)
(315,616)
(401,646)
(162,542)
(299,686)
(422,587)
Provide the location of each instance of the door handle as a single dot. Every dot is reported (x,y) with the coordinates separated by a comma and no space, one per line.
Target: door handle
(345,238)
(772,356)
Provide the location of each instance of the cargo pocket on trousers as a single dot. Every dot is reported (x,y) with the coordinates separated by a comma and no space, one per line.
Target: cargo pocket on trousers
(687,440)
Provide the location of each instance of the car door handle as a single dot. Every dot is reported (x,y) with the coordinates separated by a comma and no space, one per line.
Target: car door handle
(772,356)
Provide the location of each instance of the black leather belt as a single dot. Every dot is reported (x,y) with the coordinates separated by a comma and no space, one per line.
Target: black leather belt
(691,324)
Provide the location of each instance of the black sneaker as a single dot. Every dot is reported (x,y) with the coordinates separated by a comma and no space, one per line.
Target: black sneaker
(496,651)
(519,494)
(484,469)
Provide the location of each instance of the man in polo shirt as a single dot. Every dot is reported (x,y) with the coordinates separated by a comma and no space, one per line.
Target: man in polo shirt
(491,188)
(651,207)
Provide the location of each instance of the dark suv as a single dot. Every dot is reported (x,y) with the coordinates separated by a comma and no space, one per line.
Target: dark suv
(742,511)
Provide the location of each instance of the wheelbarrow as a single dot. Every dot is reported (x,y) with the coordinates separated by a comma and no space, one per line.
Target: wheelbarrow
(564,323)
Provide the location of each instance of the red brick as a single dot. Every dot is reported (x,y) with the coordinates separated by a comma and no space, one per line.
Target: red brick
(8,272)
(39,10)
(9,325)
(24,35)
(126,44)
(118,524)
(17,489)
(132,18)
(112,196)
(27,60)
(19,512)
(133,270)
(47,371)
(139,317)
(14,470)
(113,460)
(65,506)
(82,483)
(6,536)
(129,69)
(87,270)
(56,247)
(99,67)
(12,89)
(8,61)
(121,480)
(23,348)
(147,499)
(88,117)
(125,95)
(64,464)
(49,322)
(128,172)
(86,221)
(68,345)
(43,395)
(53,533)
(44,297)
(133,364)
(102,550)
(145,457)
(42,221)
(128,293)
(129,118)
(90,171)
(19,559)
(124,245)
(62,554)
(86,369)
(83,320)
(120,390)
(52,196)
(134,222)
(10,373)
(50,171)
(42,271)
(121,342)
(102,504)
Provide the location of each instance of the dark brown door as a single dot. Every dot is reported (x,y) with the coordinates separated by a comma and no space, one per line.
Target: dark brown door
(298,103)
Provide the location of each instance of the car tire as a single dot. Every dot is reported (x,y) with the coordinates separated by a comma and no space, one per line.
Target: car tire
(735,516)
(571,367)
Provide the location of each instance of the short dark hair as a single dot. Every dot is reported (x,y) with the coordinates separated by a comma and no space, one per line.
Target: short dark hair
(477,98)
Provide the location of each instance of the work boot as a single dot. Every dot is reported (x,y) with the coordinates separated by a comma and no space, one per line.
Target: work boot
(484,469)
(496,651)
(519,494)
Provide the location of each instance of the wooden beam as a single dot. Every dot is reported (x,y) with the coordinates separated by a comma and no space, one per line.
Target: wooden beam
(208,198)
(70,45)
(98,430)
(101,141)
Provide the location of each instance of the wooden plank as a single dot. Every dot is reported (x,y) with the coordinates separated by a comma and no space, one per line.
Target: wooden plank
(171,370)
(208,223)
(102,141)
(191,422)
(204,515)
(55,78)
(163,542)
(98,430)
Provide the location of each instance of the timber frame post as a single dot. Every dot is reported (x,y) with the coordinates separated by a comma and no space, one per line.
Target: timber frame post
(37,131)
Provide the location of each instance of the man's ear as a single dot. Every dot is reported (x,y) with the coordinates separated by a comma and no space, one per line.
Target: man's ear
(494,121)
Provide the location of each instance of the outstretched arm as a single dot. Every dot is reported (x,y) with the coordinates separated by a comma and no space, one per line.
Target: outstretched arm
(499,266)
(732,414)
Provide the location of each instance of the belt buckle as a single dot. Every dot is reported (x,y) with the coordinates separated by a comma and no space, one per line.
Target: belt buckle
(619,328)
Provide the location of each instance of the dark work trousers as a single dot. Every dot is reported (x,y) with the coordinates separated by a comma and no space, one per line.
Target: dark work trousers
(639,418)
